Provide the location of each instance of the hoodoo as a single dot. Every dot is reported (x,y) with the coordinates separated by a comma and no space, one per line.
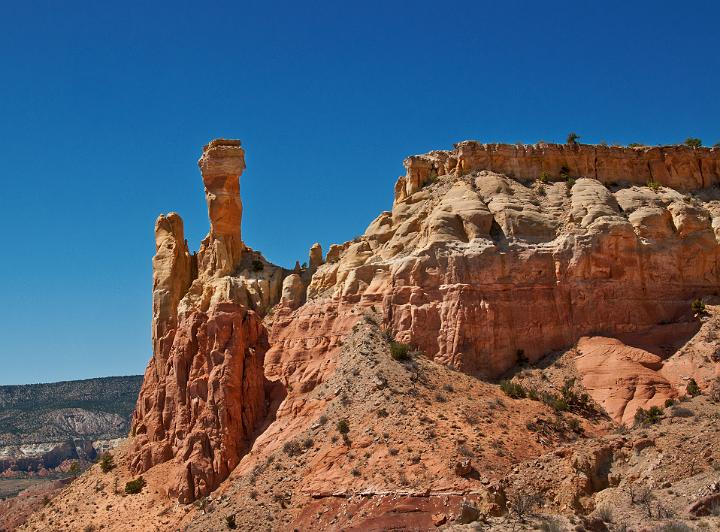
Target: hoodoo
(222,163)
(204,392)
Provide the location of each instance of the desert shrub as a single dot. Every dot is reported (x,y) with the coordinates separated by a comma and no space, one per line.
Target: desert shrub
(355,472)
(643,497)
(654,185)
(512,389)
(556,402)
(680,411)
(648,417)
(693,142)
(292,448)
(522,504)
(74,468)
(230,522)
(551,524)
(564,172)
(569,184)
(382,413)
(107,462)
(575,425)
(635,145)
(135,486)
(399,351)
(343,427)
(257,265)
(714,391)
(692,388)
(544,177)
(309,442)
(698,307)
(669,402)
(572,138)
(605,514)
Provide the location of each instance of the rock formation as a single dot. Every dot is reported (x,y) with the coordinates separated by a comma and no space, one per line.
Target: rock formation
(479,269)
(204,389)
(586,257)
(476,265)
(222,163)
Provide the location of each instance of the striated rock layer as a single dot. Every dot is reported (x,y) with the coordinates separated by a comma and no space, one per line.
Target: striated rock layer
(679,167)
(204,391)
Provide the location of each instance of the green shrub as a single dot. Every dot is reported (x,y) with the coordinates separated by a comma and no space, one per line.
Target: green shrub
(669,402)
(107,462)
(544,177)
(635,145)
(692,388)
(693,142)
(513,389)
(649,416)
(230,522)
(572,138)
(654,185)
(569,184)
(698,307)
(343,427)
(133,487)
(399,351)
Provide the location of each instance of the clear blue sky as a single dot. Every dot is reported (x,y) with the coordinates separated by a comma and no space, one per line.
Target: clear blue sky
(105,106)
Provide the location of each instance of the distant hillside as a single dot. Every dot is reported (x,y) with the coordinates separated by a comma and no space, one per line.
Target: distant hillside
(44,427)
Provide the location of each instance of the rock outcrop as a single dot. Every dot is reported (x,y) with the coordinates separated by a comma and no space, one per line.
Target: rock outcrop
(678,167)
(204,389)
(479,269)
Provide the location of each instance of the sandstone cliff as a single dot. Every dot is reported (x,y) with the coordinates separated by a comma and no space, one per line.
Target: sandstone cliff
(481,271)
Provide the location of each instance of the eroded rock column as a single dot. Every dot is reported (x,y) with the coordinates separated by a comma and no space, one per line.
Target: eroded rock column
(222,163)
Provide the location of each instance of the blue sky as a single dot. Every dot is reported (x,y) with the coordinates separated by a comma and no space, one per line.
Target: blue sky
(104,109)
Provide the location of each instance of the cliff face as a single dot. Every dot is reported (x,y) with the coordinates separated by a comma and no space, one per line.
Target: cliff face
(204,390)
(678,167)
(481,270)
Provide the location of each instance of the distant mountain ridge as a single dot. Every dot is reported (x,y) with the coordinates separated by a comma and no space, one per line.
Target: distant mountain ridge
(42,425)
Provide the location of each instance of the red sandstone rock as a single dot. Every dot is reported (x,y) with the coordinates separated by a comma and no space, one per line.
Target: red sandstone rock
(203,408)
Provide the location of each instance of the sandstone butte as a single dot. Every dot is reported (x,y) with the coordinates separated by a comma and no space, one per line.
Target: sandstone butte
(479,265)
